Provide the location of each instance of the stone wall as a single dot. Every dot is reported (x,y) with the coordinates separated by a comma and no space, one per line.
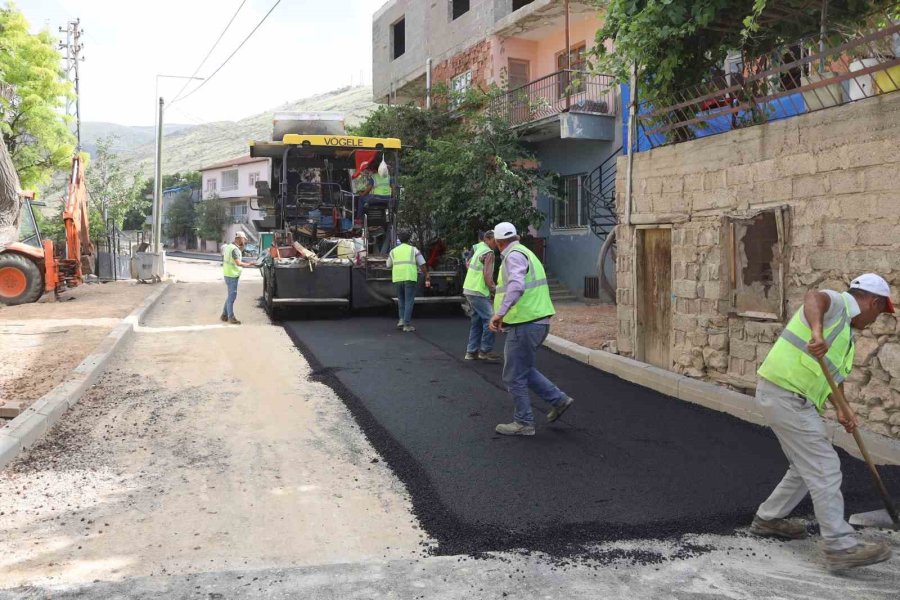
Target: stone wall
(836,172)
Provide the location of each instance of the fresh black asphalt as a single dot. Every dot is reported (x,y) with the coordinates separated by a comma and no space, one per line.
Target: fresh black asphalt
(624,462)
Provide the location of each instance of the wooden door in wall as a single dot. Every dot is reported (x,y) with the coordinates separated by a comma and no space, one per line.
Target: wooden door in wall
(654,296)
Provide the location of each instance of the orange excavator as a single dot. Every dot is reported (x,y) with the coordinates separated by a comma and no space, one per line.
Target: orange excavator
(29,267)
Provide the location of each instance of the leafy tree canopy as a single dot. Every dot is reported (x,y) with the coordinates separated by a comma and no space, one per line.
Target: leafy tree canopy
(113,192)
(181,218)
(212,216)
(33,91)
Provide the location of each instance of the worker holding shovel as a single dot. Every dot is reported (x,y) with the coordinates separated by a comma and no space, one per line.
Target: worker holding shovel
(792,392)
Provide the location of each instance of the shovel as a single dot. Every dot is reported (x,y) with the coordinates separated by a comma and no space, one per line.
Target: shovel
(876,518)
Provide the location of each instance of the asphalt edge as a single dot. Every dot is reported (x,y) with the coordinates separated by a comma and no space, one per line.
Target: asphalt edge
(883,450)
(27,428)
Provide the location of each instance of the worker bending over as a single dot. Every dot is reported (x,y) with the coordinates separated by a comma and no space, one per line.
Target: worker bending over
(792,392)
(478,289)
(232,262)
(523,305)
(405,261)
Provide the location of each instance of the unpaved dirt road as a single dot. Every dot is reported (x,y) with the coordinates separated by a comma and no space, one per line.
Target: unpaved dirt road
(207,464)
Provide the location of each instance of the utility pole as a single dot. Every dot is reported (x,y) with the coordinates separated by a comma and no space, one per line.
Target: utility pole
(157,181)
(73,48)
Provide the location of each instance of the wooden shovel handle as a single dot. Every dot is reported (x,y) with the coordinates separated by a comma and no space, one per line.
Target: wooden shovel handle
(842,406)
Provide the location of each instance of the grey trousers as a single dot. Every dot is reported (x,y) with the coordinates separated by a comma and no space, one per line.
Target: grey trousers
(814,465)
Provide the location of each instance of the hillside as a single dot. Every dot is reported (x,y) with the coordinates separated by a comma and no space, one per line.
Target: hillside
(125,137)
(200,145)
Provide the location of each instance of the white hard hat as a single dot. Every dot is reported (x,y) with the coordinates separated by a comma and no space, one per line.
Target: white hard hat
(874,284)
(241,234)
(504,231)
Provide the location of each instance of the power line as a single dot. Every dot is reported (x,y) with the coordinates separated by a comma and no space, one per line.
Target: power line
(208,54)
(205,81)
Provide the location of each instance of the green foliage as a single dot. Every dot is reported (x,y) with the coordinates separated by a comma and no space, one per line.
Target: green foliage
(212,216)
(32,93)
(462,171)
(676,42)
(181,218)
(113,192)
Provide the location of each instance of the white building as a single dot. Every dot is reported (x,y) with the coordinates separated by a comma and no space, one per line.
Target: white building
(234,183)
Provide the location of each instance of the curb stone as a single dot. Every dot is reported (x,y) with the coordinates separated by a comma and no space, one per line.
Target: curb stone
(884,450)
(27,428)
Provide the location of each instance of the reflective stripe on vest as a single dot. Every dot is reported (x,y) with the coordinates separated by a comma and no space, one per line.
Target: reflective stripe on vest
(405,268)
(535,303)
(229,267)
(474,283)
(381,185)
(790,365)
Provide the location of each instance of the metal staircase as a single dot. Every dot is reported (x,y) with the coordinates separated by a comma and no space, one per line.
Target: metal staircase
(600,189)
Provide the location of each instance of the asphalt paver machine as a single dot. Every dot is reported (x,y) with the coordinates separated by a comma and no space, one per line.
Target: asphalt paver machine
(329,241)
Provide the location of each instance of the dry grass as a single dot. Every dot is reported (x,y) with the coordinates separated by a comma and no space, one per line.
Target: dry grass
(589,325)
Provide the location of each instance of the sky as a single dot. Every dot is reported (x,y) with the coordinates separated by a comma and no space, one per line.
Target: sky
(305,47)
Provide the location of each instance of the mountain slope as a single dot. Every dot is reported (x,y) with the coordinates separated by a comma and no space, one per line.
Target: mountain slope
(125,137)
(201,145)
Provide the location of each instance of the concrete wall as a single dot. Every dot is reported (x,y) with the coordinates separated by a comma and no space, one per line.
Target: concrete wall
(837,172)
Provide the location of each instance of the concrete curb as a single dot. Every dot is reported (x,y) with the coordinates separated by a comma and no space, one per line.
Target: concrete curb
(23,431)
(883,450)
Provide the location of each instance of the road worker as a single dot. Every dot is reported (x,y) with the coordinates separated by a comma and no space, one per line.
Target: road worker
(523,308)
(478,288)
(405,261)
(792,392)
(232,263)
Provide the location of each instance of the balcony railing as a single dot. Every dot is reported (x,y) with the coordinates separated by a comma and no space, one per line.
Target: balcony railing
(794,79)
(563,91)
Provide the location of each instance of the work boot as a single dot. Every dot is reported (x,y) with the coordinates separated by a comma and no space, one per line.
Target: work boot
(471,356)
(224,318)
(408,328)
(514,428)
(399,324)
(860,555)
(785,529)
(234,321)
(557,411)
(489,356)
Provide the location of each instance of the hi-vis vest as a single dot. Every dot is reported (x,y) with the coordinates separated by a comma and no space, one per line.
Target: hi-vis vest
(790,366)
(535,303)
(474,282)
(229,267)
(382,185)
(403,264)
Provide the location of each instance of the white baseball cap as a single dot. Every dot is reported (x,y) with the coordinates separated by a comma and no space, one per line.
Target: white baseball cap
(241,234)
(504,231)
(874,284)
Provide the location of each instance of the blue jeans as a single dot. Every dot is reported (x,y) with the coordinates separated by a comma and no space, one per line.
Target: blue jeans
(519,373)
(480,337)
(406,298)
(231,283)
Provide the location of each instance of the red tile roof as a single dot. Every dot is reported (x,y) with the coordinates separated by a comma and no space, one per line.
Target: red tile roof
(234,162)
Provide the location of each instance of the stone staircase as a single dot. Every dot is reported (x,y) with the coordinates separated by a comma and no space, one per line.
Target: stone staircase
(559,292)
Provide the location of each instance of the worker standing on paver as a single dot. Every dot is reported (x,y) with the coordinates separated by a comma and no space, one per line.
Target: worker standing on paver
(232,262)
(523,305)
(478,288)
(405,261)
(792,392)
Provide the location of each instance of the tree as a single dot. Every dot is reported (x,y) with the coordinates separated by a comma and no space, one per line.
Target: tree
(34,92)
(212,216)
(113,192)
(10,202)
(181,218)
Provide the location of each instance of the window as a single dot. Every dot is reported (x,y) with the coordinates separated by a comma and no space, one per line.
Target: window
(239,212)
(757,264)
(398,36)
(253,178)
(211,185)
(229,180)
(577,61)
(570,209)
(459,85)
(517,4)
(458,8)
(519,73)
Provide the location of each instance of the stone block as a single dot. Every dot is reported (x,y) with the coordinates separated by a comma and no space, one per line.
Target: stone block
(878,415)
(879,234)
(889,358)
(885,324)
(11,409)
(684,288)
(762,350)
(845,182)
(839,235)
(709,236)
(718,341)
(866,348)
(809,186)
(880,178)
(715,359)
(9,448)
(875,392)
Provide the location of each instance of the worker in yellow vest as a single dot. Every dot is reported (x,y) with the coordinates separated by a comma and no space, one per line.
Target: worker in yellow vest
(522,304)
(232,263)
(478,288)
(405,261)
(792,392)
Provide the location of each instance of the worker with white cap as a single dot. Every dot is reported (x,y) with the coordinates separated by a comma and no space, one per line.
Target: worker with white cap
(232,262)
(522,304)
(792,391)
